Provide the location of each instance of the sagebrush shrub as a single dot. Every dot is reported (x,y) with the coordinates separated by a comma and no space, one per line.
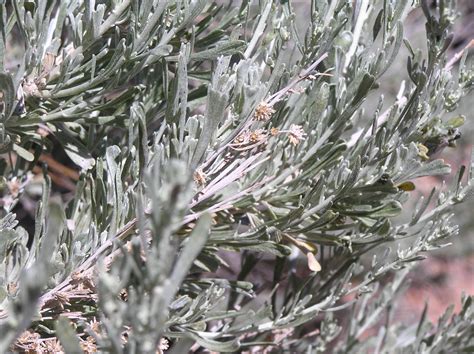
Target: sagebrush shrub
(213,178)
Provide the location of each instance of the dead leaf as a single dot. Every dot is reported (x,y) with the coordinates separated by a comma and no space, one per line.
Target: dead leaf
(313,264)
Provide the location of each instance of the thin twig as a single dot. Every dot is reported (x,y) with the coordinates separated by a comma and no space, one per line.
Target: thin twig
(458,55)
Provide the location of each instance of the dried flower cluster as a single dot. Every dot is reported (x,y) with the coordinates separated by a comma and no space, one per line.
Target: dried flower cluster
(250,139)
(263,112)
(199,178)
(296,134)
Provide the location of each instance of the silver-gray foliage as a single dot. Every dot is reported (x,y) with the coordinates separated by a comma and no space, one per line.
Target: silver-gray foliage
(203,129)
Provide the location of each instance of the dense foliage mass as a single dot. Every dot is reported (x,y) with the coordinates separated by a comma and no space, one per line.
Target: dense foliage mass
(208,176)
